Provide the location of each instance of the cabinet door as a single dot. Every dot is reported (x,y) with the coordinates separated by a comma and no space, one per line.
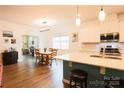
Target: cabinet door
(110,24)
(109,27)
(90,34)
(95,34)
(121,30)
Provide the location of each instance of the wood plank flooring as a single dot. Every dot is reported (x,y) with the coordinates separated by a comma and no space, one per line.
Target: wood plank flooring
(29,74)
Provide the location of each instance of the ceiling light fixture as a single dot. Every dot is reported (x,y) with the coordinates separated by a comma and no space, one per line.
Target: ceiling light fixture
(101,14)
(77,17)
(44,22)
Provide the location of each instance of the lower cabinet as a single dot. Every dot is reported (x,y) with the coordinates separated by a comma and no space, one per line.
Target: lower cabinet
(112,78)
(115,78)
(1,74)
(10,57)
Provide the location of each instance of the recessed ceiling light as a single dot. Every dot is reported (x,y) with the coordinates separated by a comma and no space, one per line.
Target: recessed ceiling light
(44,22)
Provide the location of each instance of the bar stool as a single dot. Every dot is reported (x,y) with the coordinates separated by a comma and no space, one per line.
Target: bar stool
(79,77)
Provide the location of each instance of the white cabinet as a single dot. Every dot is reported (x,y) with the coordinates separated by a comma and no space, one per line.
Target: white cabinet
(110,24)
(109,27)
(90,33)
(121,31)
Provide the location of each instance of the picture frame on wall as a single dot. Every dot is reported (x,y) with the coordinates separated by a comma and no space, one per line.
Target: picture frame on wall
(13,41)
(7,34)
(75,37)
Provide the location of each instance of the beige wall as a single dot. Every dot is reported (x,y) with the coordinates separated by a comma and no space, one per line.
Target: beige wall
(18,30)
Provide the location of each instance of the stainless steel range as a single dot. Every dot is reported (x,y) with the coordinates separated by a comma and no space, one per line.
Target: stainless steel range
(110,50)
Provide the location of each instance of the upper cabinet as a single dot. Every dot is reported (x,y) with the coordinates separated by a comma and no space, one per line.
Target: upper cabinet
(110,24)
(90,32)
(121,27)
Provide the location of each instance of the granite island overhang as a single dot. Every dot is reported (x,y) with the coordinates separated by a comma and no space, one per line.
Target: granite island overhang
(96,67)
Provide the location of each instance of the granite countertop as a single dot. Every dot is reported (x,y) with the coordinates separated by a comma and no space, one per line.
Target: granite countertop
(106,61)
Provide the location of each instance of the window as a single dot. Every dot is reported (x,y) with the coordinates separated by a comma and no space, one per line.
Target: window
(61,42)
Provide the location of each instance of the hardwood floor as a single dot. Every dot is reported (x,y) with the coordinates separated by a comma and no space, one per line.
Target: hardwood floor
(29,74)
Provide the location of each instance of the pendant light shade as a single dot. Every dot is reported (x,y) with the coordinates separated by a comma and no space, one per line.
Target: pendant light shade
(77,18)
(101,14)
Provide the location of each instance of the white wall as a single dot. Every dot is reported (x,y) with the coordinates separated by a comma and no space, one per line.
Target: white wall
(59,30)
(18,30)
(111,24)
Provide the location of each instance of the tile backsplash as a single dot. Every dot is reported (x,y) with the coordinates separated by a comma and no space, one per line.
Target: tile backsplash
(96,47)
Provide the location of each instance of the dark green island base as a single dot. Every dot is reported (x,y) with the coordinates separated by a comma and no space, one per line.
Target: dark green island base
(95,79)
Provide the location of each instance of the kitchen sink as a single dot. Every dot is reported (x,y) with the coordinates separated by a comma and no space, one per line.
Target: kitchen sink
(98,56)
(107,57)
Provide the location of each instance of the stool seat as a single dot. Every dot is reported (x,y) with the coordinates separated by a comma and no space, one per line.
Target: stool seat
(78,76)
(78,73)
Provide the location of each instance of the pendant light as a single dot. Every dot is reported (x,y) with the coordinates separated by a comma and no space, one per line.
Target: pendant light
(101,14)
(77,17)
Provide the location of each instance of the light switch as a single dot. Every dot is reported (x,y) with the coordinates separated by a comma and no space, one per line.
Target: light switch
(70,64)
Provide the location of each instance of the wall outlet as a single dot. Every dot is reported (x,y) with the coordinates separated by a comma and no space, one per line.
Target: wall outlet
(70,64)
(102,70)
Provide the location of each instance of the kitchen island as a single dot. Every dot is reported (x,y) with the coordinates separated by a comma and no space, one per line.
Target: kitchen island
(98,67)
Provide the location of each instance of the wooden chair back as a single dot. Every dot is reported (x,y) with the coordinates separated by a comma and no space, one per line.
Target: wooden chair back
(37,53)
(44,57)
(37,50)
(53,51)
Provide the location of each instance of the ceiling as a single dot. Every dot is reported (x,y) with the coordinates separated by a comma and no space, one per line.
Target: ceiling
(34,15)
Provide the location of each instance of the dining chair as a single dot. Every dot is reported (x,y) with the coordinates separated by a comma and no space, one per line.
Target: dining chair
(37,50)
(38,56)
(53,54)
(46,58)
